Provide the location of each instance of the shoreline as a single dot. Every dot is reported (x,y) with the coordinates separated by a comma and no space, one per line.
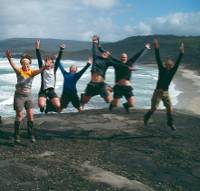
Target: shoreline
(188,81)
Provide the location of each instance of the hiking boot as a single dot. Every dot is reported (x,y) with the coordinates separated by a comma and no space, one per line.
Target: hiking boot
(41,109)
(126,107)
(31,132)
(16,132)
(110,107)
(172,126)
(147,117)
(170,121)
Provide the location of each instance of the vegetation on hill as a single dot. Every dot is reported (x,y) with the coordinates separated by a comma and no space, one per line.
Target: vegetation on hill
(79,50)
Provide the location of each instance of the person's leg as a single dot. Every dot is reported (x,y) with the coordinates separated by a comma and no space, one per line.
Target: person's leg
(114,103)
(108,98)
(116,97)
(76,102)
(17,126)
(127,91)
(85,99)
(53,103)
(18,107)
(154,104)
(64,100)
(104,91)
(167,103)
(130,103)
(90,91)
(41,100)
(42,103)
(30,124)
(56,104)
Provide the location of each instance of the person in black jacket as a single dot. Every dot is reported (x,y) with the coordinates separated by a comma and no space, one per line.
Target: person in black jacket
(123,85)
(165,76)
(97,85)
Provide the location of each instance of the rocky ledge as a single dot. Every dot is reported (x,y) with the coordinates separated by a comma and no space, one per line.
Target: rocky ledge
(98,150)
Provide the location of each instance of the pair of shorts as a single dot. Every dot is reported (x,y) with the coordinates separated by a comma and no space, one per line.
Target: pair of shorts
(159,95)
(22,101)
(122,90)
(72,97)
(97,88)
(48,93)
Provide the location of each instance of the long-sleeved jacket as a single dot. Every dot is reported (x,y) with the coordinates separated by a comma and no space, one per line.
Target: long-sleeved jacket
(70,79)
(165,76)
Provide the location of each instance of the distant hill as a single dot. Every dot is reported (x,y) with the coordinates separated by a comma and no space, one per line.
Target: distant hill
(50,45)
(81,50)
(169,47)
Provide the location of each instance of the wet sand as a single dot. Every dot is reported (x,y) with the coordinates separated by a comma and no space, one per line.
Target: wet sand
(188,82)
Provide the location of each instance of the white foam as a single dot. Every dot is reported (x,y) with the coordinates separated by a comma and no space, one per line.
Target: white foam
(143,81)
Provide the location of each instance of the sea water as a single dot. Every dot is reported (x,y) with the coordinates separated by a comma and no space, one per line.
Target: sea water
(143,80)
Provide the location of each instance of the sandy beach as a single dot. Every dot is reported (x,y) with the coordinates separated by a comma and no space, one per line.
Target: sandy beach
(188,81)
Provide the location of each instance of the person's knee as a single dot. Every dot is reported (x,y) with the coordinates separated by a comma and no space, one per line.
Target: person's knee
(115,102)
(131,101)
(85,99)
(19,115)
(29,114)
(153,109)
(56,102)
(108,99)
(41,103)
(169,109)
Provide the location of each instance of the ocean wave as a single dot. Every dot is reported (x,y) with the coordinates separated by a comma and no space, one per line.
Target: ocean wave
(143,80)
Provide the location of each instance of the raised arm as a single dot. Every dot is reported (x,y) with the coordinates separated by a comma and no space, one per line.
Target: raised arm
(9,57)
(182,50)
(81,72)
(140,54)
(62,68)
(60,53)
(101,49)
(38,71)
(157,54)
(38,55)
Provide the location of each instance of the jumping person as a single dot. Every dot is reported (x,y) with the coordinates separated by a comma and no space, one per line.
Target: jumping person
(23,97)
(97,85)
(47,95)
(165,76)
(71,78)
(123,85)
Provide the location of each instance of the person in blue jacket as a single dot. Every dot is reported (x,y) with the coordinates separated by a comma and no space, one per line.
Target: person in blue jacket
(71,78)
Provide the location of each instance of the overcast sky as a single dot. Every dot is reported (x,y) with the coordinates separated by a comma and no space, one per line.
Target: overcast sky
(111,19)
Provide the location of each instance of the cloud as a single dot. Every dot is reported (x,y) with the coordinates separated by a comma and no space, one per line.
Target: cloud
(80,19)
(103,4)
(176,23)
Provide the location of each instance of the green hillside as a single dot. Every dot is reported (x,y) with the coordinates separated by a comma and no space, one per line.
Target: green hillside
(79,50)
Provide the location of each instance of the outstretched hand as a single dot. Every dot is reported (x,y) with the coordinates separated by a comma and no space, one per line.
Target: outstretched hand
(156,43)
(148,46)
(132,69)
(95,39)
(9,54)
(182,49)
(37,44)
(62,46)
(90,60)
